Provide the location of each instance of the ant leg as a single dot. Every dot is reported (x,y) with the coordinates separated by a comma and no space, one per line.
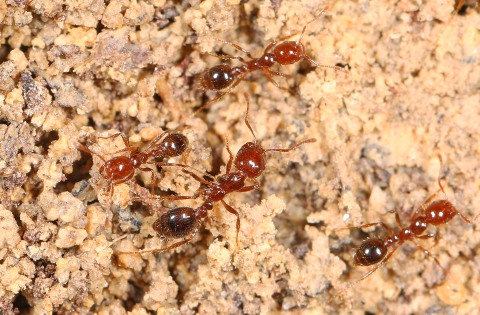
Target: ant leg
(27,5)
(195,196)
(256,185)
(430,235)
(226,57)
(389,231)
(380,264)
(197,178)
(280,74)
(235,212)
(230,159)
(175,245)
(248,188)
(235,46)
(292,147)
(152,178)
(426,252)
(397,218)
(247,98)
(162,164)
(268,74)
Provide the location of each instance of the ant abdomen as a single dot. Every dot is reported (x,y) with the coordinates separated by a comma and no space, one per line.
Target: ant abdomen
(250,159)
(176,223)
(371,252)
(217,78)
(289,52)
(172,145)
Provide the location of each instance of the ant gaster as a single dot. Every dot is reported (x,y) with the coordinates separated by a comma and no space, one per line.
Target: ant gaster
(283,52)
(378,251)
(183,222)
(122,168)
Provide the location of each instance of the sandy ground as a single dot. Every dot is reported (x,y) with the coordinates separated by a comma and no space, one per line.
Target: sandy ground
(73,71)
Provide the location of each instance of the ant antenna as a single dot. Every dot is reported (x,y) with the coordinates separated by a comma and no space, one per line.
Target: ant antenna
(293,146)
(316,18)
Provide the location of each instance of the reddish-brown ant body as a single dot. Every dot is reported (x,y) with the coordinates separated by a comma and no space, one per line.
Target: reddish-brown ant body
(122,168)
(378,251)
(284,52)
(183,222)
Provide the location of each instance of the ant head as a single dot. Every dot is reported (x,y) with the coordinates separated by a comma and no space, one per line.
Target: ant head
(217,78)
(176,223)
(173,145)
(288,52)
(371,251)
(250,159)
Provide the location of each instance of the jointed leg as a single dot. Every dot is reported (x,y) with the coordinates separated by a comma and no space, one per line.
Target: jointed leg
(235,212)
(248,188)
(235,46)
(247,98)
(152,179)
(268,74)
(197,178)
(397,218)
(175,245)
(426,252)
(389,231)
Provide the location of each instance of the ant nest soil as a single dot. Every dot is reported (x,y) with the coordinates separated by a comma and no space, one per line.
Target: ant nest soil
(71,72)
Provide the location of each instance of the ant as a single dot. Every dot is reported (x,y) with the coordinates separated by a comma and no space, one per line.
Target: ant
(183,222)
(284,52)
(378,251)
(121,169)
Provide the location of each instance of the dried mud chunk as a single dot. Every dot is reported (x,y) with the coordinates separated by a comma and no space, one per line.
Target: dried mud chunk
(69,236)
(12,280)
(9,229)
(14,138)
(6,307)
(139,13)
(113,49)
(34,92)
(14,180)
(7,71)
(63,207)
(64,58)
(69,96)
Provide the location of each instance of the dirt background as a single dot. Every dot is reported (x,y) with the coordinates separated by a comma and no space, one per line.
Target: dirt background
(72,71)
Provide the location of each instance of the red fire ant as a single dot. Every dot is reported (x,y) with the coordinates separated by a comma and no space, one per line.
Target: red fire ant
(378,251)
(183,222)
(121,169)
(284,52)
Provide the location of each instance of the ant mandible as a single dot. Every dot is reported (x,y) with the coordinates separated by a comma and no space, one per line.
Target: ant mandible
(284,52)
(122,168)
(378,251)
(183,222)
